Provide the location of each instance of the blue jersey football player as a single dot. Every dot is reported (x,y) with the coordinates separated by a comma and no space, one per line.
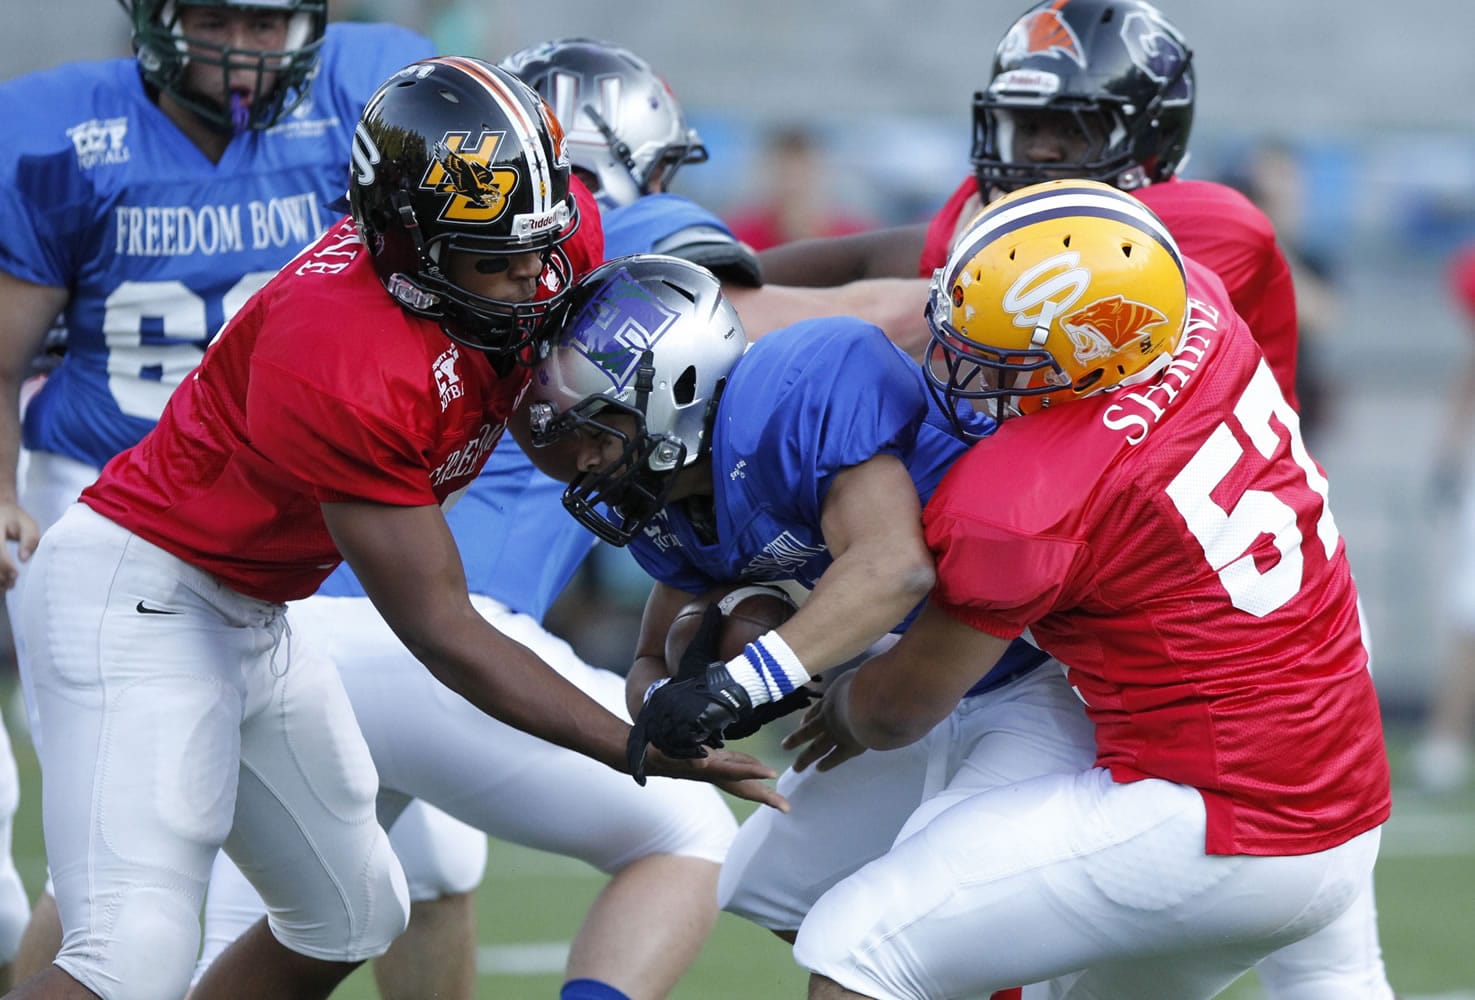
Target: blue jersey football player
(806,457)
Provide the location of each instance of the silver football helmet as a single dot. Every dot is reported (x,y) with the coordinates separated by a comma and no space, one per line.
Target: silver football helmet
(625,128)
(647,336)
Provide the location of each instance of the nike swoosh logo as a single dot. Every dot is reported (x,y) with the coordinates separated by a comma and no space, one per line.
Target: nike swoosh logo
(144,610)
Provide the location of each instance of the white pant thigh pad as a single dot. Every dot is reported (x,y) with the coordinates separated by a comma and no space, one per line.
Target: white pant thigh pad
(781,863)
(1090,874)
(153,712)
(431,744)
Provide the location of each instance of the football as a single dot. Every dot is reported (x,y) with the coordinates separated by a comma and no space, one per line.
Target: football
(748,611)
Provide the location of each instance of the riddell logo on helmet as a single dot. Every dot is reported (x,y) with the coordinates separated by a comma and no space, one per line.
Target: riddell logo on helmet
(1042,33)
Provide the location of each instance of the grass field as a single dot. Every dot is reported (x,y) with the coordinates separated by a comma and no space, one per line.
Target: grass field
(530,903)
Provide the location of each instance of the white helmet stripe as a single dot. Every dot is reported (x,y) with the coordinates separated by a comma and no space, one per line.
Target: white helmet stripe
(528,130)
(1055,202)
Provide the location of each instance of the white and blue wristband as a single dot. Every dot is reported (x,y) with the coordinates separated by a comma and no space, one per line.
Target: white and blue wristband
(767,669)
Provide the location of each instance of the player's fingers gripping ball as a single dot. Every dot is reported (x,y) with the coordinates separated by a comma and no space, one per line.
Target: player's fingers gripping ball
(748,612)
(745,613)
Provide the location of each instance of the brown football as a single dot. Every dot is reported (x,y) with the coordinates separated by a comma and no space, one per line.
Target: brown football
(749,610)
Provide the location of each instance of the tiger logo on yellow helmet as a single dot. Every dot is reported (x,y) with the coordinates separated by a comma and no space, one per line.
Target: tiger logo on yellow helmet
(1053,293)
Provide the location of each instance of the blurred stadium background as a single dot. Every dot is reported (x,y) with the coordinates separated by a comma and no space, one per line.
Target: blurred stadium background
(1369,106)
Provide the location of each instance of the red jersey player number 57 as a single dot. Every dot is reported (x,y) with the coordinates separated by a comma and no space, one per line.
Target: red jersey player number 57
(1227,535)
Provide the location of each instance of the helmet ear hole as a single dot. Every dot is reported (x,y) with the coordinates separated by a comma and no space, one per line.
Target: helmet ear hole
(1089,379)
(685,389)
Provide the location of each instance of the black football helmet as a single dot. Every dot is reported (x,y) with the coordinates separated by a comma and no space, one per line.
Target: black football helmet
(1114,73)
(647,336)
(164,53)
(455,154)
(625,127)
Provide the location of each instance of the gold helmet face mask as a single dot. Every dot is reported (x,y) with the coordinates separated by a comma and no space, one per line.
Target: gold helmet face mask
(1053,293)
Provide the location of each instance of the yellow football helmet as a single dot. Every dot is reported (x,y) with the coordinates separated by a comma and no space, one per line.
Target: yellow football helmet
(1053,293)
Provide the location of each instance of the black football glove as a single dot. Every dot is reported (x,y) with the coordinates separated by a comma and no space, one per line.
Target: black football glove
(685,716)
(757,718)
(703,648)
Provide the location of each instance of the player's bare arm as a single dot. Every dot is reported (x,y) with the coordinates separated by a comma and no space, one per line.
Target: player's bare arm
(649,664)
(837,260)
(896,305)
(882,568)
(26,313)
(895,698)
(407,561)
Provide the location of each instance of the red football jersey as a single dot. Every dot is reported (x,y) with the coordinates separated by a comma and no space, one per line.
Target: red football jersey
(1172,544)
(320,389)
(585,248)
(1462,278)
(1218,227)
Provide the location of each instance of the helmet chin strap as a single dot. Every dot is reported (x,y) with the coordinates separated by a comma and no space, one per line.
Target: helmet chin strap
(1037,340)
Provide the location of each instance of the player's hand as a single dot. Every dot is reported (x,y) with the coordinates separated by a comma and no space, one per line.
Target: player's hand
(18,527)
(683,717)
(735,773)
(823,736)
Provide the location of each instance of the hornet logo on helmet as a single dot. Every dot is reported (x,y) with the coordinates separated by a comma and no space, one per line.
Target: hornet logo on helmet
(1043,33)
(463,169)
(1105,326)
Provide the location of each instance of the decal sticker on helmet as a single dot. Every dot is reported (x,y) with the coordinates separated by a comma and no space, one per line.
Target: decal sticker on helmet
(618,325)
(1042,33)
(463,170)
(1022,83)
(1107,325)
(1158,54)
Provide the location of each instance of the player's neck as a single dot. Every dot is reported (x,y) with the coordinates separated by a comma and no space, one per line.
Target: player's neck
(692,481)
(208,140)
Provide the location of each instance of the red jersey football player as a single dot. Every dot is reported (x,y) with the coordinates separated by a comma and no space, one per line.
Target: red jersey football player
(1163,531)
(1100,89)
(344,404)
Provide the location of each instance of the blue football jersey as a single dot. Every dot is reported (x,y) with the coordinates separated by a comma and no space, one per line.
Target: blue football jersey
(101,194)
(649,222)
(803,404)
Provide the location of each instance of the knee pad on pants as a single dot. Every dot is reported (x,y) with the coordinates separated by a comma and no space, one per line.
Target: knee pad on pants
(441,855)
(146,951)
(356,925)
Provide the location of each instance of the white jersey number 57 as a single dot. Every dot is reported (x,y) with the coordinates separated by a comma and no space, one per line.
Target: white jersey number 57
(1226,535)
